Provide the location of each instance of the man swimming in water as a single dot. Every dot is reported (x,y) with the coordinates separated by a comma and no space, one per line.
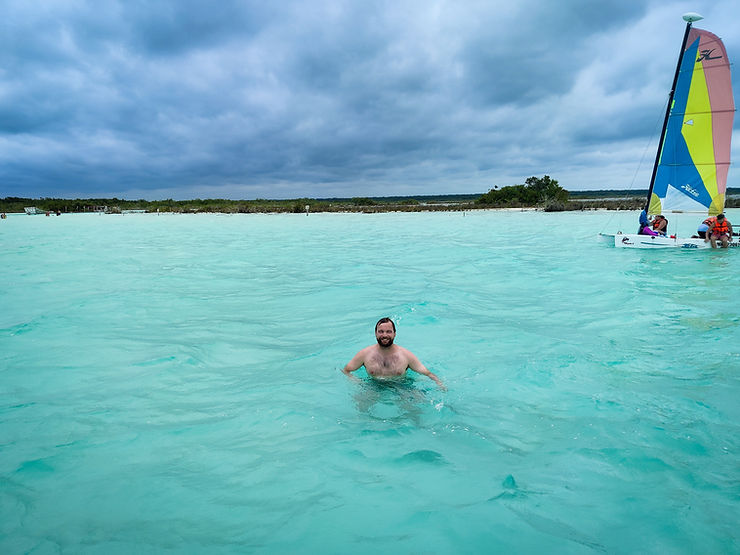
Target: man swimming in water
(386,360)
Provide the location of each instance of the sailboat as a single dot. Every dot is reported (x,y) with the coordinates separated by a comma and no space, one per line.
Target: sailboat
(693,157)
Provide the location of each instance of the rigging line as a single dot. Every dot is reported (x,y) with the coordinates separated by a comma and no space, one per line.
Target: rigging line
(642,158)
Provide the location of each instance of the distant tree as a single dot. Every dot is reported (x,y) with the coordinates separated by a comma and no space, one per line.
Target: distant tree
(547,189)
(536,191)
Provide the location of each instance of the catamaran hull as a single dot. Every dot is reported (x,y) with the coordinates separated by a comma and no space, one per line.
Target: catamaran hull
(630,241)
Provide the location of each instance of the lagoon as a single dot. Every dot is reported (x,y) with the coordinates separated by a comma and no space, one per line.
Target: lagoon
(172,383)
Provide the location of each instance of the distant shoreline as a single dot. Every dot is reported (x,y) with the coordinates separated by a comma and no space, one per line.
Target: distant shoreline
(577,201)
(450,203)
(573,206)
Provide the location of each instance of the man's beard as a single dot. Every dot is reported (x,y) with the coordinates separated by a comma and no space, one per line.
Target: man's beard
(385,345)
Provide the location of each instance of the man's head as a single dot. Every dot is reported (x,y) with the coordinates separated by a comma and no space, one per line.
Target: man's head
(385,332)
(720,217)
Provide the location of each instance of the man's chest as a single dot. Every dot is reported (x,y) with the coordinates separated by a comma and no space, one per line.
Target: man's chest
(386,363)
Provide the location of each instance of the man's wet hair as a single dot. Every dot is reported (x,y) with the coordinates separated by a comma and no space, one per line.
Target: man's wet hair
(383,321)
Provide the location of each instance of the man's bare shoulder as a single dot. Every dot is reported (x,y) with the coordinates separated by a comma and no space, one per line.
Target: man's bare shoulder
(367,351)
(403,351)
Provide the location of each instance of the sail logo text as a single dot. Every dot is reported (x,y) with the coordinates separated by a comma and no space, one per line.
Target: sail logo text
(707,55)
(690,190)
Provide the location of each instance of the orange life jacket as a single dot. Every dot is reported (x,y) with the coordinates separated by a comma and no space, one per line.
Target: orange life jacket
(721,227)
(710,220)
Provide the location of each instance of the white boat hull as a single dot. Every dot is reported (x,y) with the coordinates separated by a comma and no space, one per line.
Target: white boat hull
(635,241)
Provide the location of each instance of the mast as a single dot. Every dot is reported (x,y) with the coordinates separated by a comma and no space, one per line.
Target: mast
(689,18)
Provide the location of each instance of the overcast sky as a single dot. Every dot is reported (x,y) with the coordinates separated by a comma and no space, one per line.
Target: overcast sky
(281,99)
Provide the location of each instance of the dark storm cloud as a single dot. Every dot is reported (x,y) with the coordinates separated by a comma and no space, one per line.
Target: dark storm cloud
(536,50)
(256,99)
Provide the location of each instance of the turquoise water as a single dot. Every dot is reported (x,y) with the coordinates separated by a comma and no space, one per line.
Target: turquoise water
(172,383)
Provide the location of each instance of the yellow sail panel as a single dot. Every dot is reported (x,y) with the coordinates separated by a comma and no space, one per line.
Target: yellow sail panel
(697,130)
(718,205)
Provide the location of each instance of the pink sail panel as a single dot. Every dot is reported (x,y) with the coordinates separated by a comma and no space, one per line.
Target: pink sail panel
(713,57)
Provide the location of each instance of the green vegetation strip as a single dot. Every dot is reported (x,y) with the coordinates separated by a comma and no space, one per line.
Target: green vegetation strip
(540,193)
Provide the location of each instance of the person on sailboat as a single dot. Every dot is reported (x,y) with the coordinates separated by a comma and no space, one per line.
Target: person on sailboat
(660,224)
(704,226)
(645,227)
(720,229)
(656,226)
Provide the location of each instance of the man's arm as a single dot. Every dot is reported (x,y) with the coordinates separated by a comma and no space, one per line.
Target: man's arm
(416,365)
(354,364)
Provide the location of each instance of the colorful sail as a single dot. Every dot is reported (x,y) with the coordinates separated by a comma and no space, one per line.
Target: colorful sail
(695,155)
